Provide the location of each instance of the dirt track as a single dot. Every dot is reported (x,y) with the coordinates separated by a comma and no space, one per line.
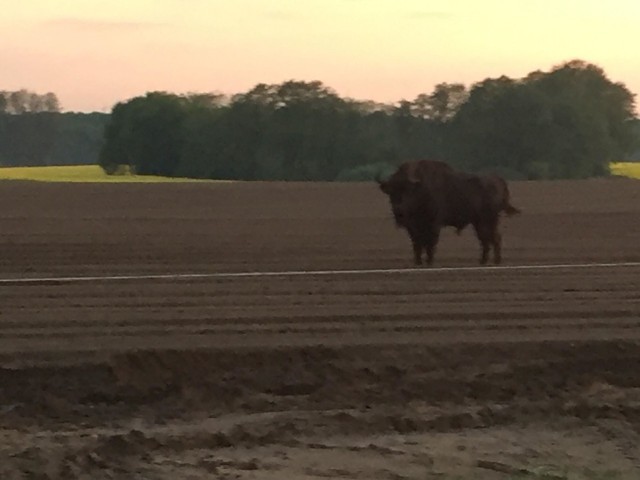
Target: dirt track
(352,375)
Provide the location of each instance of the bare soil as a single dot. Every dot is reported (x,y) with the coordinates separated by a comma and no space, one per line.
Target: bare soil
(474,373)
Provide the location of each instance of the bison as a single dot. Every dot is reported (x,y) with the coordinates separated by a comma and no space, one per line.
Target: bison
(426,195)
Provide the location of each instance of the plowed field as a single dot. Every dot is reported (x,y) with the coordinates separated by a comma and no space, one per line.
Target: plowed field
(277,330)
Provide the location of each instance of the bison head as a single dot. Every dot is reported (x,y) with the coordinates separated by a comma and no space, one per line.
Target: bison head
(402,192)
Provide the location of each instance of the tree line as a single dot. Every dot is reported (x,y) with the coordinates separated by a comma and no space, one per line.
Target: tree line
(289,131)
(34,131)
(569,122)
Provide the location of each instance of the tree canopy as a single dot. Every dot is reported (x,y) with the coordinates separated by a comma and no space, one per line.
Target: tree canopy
(291,131)
(570,122)
(25,101)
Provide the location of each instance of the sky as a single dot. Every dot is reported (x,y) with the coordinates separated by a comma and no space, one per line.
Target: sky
(94,53)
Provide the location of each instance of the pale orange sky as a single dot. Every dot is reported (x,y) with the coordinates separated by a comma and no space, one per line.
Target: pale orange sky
(94,53)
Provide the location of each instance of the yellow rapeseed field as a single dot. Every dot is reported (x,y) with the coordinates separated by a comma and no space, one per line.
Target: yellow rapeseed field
(95,174)
(79,173)
(626,169)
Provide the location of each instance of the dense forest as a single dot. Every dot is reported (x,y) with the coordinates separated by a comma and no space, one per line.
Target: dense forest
(569,122)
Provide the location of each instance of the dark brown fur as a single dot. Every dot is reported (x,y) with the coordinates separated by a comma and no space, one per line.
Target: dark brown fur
(427,195)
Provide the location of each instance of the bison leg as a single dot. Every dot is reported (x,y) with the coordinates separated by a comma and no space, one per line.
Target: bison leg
(430,246)
(489,236)
(497,247)
(417,252)
(486,246)
(485,237)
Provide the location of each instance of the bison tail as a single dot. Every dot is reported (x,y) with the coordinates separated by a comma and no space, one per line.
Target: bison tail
(510,209)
